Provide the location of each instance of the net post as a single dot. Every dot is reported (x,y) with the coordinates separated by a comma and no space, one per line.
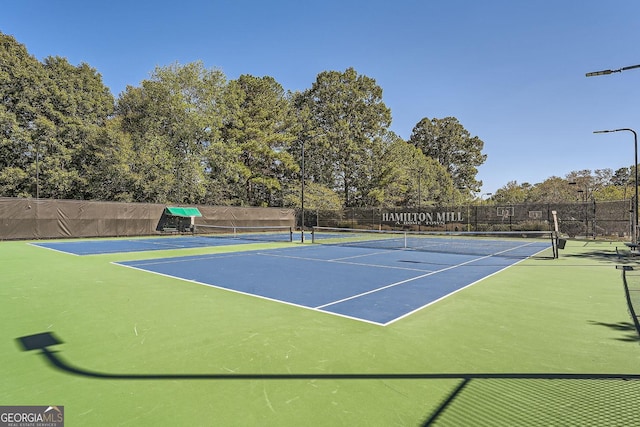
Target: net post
(313,234)
(554,235)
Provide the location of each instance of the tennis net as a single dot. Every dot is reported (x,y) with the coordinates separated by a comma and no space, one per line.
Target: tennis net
(518,244)
(276,233)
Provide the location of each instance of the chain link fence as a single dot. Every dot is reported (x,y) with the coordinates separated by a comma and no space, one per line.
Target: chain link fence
(611,219)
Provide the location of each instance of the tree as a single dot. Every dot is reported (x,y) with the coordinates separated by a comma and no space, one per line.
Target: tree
(551,190)
(109,165)
(577,186)
(174,120)
(406,177)
(348,123)
(151,166)
(49,115)
(601,184)
(510,194)
(21,76)
(78,106)
(622,177)
(451,145)
(260,127)
(17,157)
(316,197)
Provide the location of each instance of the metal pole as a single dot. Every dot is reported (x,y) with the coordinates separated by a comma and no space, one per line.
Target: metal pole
(635,167)
(302,198)
(593,222)
(635,203)
(37,170)
(635,138)
(419,196)
(586,213)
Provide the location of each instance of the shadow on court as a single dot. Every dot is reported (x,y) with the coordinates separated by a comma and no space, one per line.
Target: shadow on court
(491,398)
(628,328)
(616,252)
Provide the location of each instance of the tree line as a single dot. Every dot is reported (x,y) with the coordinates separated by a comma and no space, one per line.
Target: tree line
(188,135)
(577,186)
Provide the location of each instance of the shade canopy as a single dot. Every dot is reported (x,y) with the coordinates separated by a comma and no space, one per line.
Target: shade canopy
(184,212)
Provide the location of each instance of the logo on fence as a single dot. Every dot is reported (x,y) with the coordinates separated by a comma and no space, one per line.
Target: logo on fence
(422,218)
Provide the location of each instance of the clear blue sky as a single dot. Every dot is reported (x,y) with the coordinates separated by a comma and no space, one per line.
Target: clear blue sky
(511,71)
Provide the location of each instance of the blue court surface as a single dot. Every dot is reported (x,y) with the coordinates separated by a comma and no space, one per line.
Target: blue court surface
(376,286)
(105,246)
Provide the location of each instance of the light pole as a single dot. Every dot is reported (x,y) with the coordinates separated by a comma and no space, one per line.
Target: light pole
(419,196)
(302,198)
(605,72)
(635,167)
(37,170)
(586,213)
(635,137)
(584,195)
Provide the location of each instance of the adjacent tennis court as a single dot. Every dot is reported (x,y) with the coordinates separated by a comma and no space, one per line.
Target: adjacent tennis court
(203,236)
(374,285)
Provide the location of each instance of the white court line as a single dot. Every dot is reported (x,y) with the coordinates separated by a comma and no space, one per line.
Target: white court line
(183,259)
(456,291)
(365,255)
(227,289)
(401,282)
(53,249)
(339,261)
(321,308)
(423,276)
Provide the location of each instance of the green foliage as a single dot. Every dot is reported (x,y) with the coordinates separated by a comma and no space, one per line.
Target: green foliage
(173,120)
(21,76)
(260,128)
(409,178)
(50,113)
(344,124)
(317,197)
(13,180)
(186,135)
(577,186)
(451,145)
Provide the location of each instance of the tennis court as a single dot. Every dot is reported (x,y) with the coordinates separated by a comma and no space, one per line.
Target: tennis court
(204,236)
(321,334)
(373,285)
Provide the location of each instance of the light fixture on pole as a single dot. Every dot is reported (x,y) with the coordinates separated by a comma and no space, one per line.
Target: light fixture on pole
(302,198)
(635,167)
(605,72)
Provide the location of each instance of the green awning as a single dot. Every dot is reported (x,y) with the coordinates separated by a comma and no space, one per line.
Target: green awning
(187,212)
